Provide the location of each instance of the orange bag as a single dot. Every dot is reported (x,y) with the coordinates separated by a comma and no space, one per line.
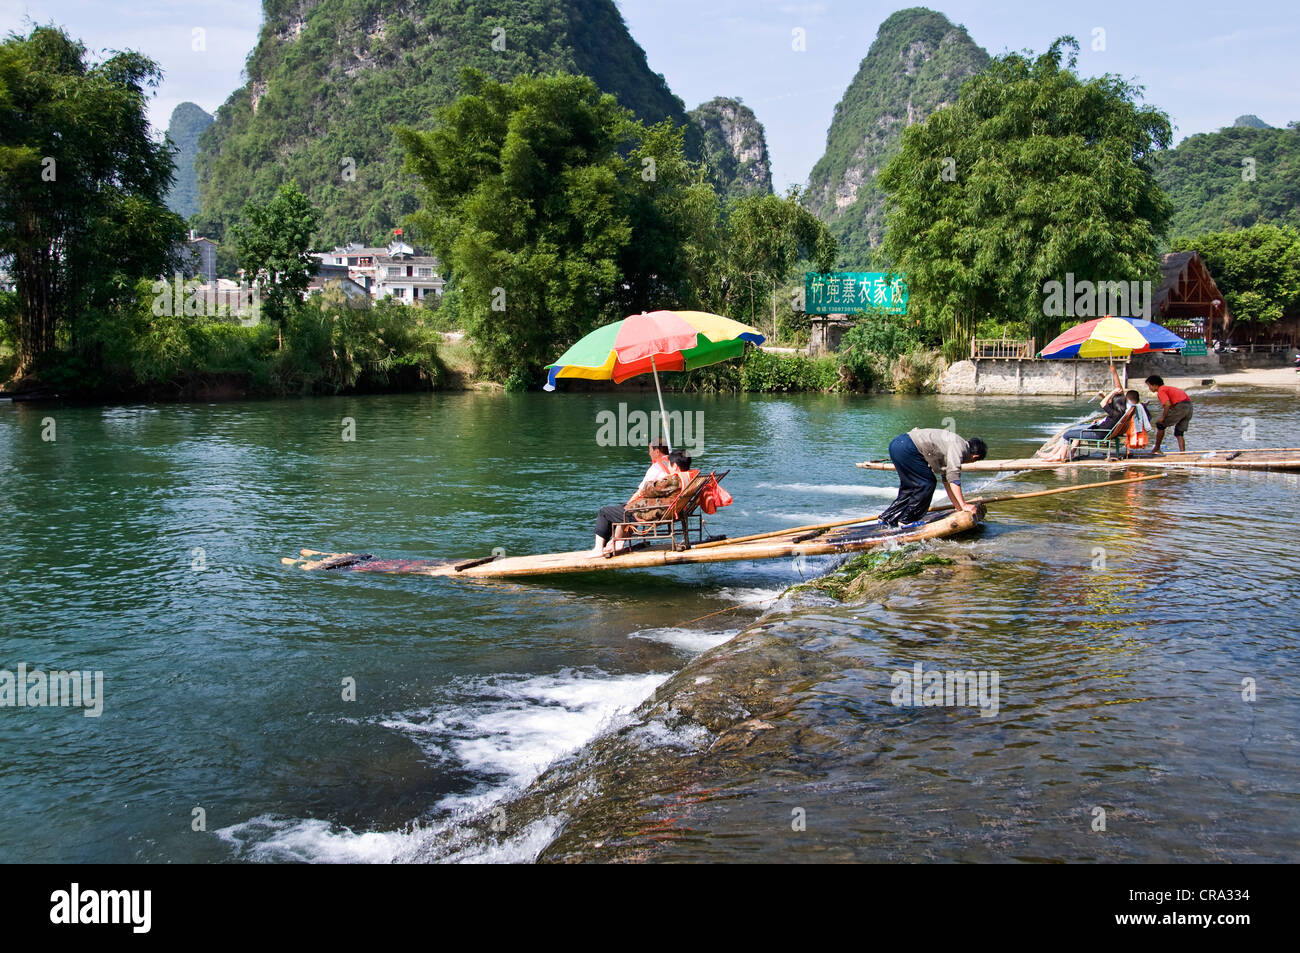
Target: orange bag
(714,496)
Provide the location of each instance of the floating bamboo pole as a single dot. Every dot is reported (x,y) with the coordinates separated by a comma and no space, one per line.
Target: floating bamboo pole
(782,532)
(870,519)
(1265,458)
(1062,489)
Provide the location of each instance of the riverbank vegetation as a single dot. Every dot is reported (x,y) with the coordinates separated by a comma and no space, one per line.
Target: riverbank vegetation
(1032,174)
(327,344)
(555,210)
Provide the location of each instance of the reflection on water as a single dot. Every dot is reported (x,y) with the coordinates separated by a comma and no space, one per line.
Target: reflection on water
(145,543)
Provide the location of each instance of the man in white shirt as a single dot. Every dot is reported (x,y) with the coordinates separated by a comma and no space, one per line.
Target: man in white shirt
(609,515)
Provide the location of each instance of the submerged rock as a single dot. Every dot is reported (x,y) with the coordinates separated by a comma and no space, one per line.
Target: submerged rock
(738,729)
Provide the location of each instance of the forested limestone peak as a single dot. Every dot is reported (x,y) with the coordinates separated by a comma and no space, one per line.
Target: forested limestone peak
(184,128)
(330,79)
(1250,121)
(734,147)
(1234,178)
(916,64)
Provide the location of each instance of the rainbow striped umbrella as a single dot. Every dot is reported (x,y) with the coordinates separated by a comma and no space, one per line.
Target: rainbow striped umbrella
(653,342)
(1111,337)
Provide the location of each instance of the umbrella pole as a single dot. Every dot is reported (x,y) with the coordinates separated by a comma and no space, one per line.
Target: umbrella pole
(663,416)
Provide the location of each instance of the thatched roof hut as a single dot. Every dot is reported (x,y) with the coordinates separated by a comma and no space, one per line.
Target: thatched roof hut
(1188,301)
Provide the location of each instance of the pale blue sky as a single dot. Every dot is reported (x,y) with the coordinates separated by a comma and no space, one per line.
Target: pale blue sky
(1204,63)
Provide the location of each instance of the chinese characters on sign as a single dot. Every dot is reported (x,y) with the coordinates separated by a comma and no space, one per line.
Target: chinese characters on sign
(846,292)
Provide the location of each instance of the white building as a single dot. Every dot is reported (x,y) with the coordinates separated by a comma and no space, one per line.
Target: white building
(396,271)
(406,276)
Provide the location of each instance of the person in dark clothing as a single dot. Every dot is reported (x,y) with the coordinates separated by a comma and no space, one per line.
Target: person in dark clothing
(918,457)
(1113,405)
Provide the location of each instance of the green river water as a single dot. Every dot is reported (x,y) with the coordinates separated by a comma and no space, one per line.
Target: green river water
(143,542)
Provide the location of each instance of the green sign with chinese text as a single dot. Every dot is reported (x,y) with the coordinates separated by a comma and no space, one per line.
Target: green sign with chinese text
(847,292)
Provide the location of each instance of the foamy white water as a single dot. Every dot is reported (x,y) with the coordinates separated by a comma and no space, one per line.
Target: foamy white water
(310,840)
(691,641)
(756,597)
(506,732)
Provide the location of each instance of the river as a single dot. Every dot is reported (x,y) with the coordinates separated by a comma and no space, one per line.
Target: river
(1145,637)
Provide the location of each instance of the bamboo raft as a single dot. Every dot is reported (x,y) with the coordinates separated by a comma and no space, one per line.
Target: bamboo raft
(1274,458)
(816,539)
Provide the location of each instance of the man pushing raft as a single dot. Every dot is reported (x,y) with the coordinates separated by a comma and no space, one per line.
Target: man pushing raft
(920,456)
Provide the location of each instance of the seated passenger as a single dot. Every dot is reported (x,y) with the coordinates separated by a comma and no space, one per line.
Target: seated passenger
(660,468)
(1114,404)
(652,500)
(1139,424)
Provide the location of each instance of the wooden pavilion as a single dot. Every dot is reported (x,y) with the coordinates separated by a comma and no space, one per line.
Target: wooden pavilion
(1188,302)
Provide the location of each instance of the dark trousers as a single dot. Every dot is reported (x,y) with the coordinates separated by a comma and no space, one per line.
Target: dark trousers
(1088,433)
(916,483)
(608,516)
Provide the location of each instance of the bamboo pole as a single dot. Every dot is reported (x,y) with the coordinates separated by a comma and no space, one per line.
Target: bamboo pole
(1063,489)
(943,506)
(783,532)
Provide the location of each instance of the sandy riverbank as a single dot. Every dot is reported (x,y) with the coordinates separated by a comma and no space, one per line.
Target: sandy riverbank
(1274,378)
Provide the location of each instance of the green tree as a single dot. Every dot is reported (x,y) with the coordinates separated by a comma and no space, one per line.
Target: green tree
(676,217)
(525,187)
(1031,174)
(81,186)
(768,238)
(274,241)
(555,212)
(1257,269)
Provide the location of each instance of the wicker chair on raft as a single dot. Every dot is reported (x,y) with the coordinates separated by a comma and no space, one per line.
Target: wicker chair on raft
(676,519)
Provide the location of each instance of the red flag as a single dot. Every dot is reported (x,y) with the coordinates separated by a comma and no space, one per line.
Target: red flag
(397,231)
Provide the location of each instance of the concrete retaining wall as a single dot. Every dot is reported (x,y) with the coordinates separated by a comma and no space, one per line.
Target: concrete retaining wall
(1172,365)
(1029,378)
(1244,359)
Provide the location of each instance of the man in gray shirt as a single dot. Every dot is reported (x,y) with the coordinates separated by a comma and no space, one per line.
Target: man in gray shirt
(920,456)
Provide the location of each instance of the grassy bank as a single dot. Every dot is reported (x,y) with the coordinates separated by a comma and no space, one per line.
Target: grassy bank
(325,345)
(331,345)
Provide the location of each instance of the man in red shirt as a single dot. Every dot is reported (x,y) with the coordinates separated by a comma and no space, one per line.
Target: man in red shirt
(1176,411)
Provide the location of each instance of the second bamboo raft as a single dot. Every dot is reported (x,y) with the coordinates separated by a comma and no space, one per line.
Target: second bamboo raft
(1272,458)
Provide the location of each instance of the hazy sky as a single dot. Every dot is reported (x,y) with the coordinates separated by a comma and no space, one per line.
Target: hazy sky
(1203,63)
